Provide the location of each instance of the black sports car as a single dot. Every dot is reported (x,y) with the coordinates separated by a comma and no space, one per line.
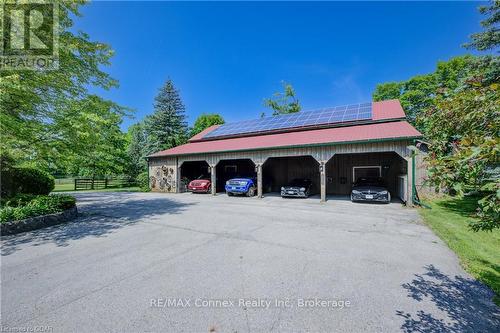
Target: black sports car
(370,189)
(297,188)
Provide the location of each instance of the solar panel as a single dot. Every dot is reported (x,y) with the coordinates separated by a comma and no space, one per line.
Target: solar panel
(333,115)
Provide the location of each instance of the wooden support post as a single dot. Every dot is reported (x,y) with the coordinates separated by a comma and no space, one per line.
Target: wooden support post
(177,182)
(322,173)
(409,179)
(213,178)
(258,168)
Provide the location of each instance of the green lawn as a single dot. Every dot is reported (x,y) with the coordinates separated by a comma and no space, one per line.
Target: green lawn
(64,187)
(71,187)
(479,252)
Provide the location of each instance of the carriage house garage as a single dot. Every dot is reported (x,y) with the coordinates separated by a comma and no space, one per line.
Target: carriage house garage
(332,147)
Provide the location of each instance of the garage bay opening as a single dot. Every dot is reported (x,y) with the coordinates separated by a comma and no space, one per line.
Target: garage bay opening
(234,168)
(280,172)
(344,170)
(195,170)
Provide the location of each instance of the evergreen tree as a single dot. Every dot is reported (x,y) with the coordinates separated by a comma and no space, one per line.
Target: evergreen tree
(167,126)
(489,39)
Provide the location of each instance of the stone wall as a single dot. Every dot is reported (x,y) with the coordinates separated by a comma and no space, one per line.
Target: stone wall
(38,222)
(163,175)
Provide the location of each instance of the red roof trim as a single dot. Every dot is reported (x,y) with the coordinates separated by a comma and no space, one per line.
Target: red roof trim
(200,135)
(390,109)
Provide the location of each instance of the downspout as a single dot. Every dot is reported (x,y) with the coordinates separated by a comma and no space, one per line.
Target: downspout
(413,185)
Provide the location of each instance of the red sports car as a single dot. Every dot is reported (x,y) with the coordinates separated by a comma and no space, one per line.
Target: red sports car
(200,185)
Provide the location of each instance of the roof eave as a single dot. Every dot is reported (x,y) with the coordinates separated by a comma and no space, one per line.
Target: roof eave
(297,146)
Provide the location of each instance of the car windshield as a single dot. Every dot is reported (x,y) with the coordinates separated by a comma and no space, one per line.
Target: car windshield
(203,177)
(369,182)
(300,182)
(245,177)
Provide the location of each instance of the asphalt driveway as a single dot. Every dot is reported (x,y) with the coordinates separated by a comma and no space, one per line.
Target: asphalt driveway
(137,262)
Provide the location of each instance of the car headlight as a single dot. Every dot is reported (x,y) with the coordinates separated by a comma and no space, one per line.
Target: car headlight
(356,192)
(227,183)
(203,184)
(243,183)
(383,192)
(282,188)
(302,189)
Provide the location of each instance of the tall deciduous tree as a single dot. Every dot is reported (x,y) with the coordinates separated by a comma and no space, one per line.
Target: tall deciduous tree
(136,152)
(457,110)
(167,126)
(463,128)
(205,121)
(388,90)
(32,102)
(488,39)
(418,93)
(283,102)
(91,127)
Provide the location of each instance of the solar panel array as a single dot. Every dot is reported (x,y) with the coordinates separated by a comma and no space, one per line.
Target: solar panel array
(334,115)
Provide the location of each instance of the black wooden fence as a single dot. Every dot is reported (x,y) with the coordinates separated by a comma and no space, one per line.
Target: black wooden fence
(90,184)
(99,184)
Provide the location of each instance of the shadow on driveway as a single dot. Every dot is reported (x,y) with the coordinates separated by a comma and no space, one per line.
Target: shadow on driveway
(465,303)
(97,216)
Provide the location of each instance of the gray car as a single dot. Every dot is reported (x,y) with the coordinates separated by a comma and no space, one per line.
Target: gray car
(300,188)
(370,189)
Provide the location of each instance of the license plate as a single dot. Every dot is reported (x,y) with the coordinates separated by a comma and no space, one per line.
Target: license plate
(232,188)
(369,196)
(290,192)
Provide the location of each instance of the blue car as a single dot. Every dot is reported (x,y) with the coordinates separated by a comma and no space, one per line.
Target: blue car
(244,186)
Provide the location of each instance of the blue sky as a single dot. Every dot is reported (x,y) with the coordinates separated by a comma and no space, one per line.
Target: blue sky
(227,57)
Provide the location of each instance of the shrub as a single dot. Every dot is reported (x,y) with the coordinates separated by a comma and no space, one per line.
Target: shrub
(63,201)
(27,180)
(6,166)
(32,181)
(143,181)
(21,207)
(18,200)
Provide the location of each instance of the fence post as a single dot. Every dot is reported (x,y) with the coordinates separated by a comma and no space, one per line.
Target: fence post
(75,183)
(106,182)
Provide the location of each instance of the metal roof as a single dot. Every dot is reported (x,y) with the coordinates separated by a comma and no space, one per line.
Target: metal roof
(378,112)
(200,135)
(338,135)
(326,117)
(387,123)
